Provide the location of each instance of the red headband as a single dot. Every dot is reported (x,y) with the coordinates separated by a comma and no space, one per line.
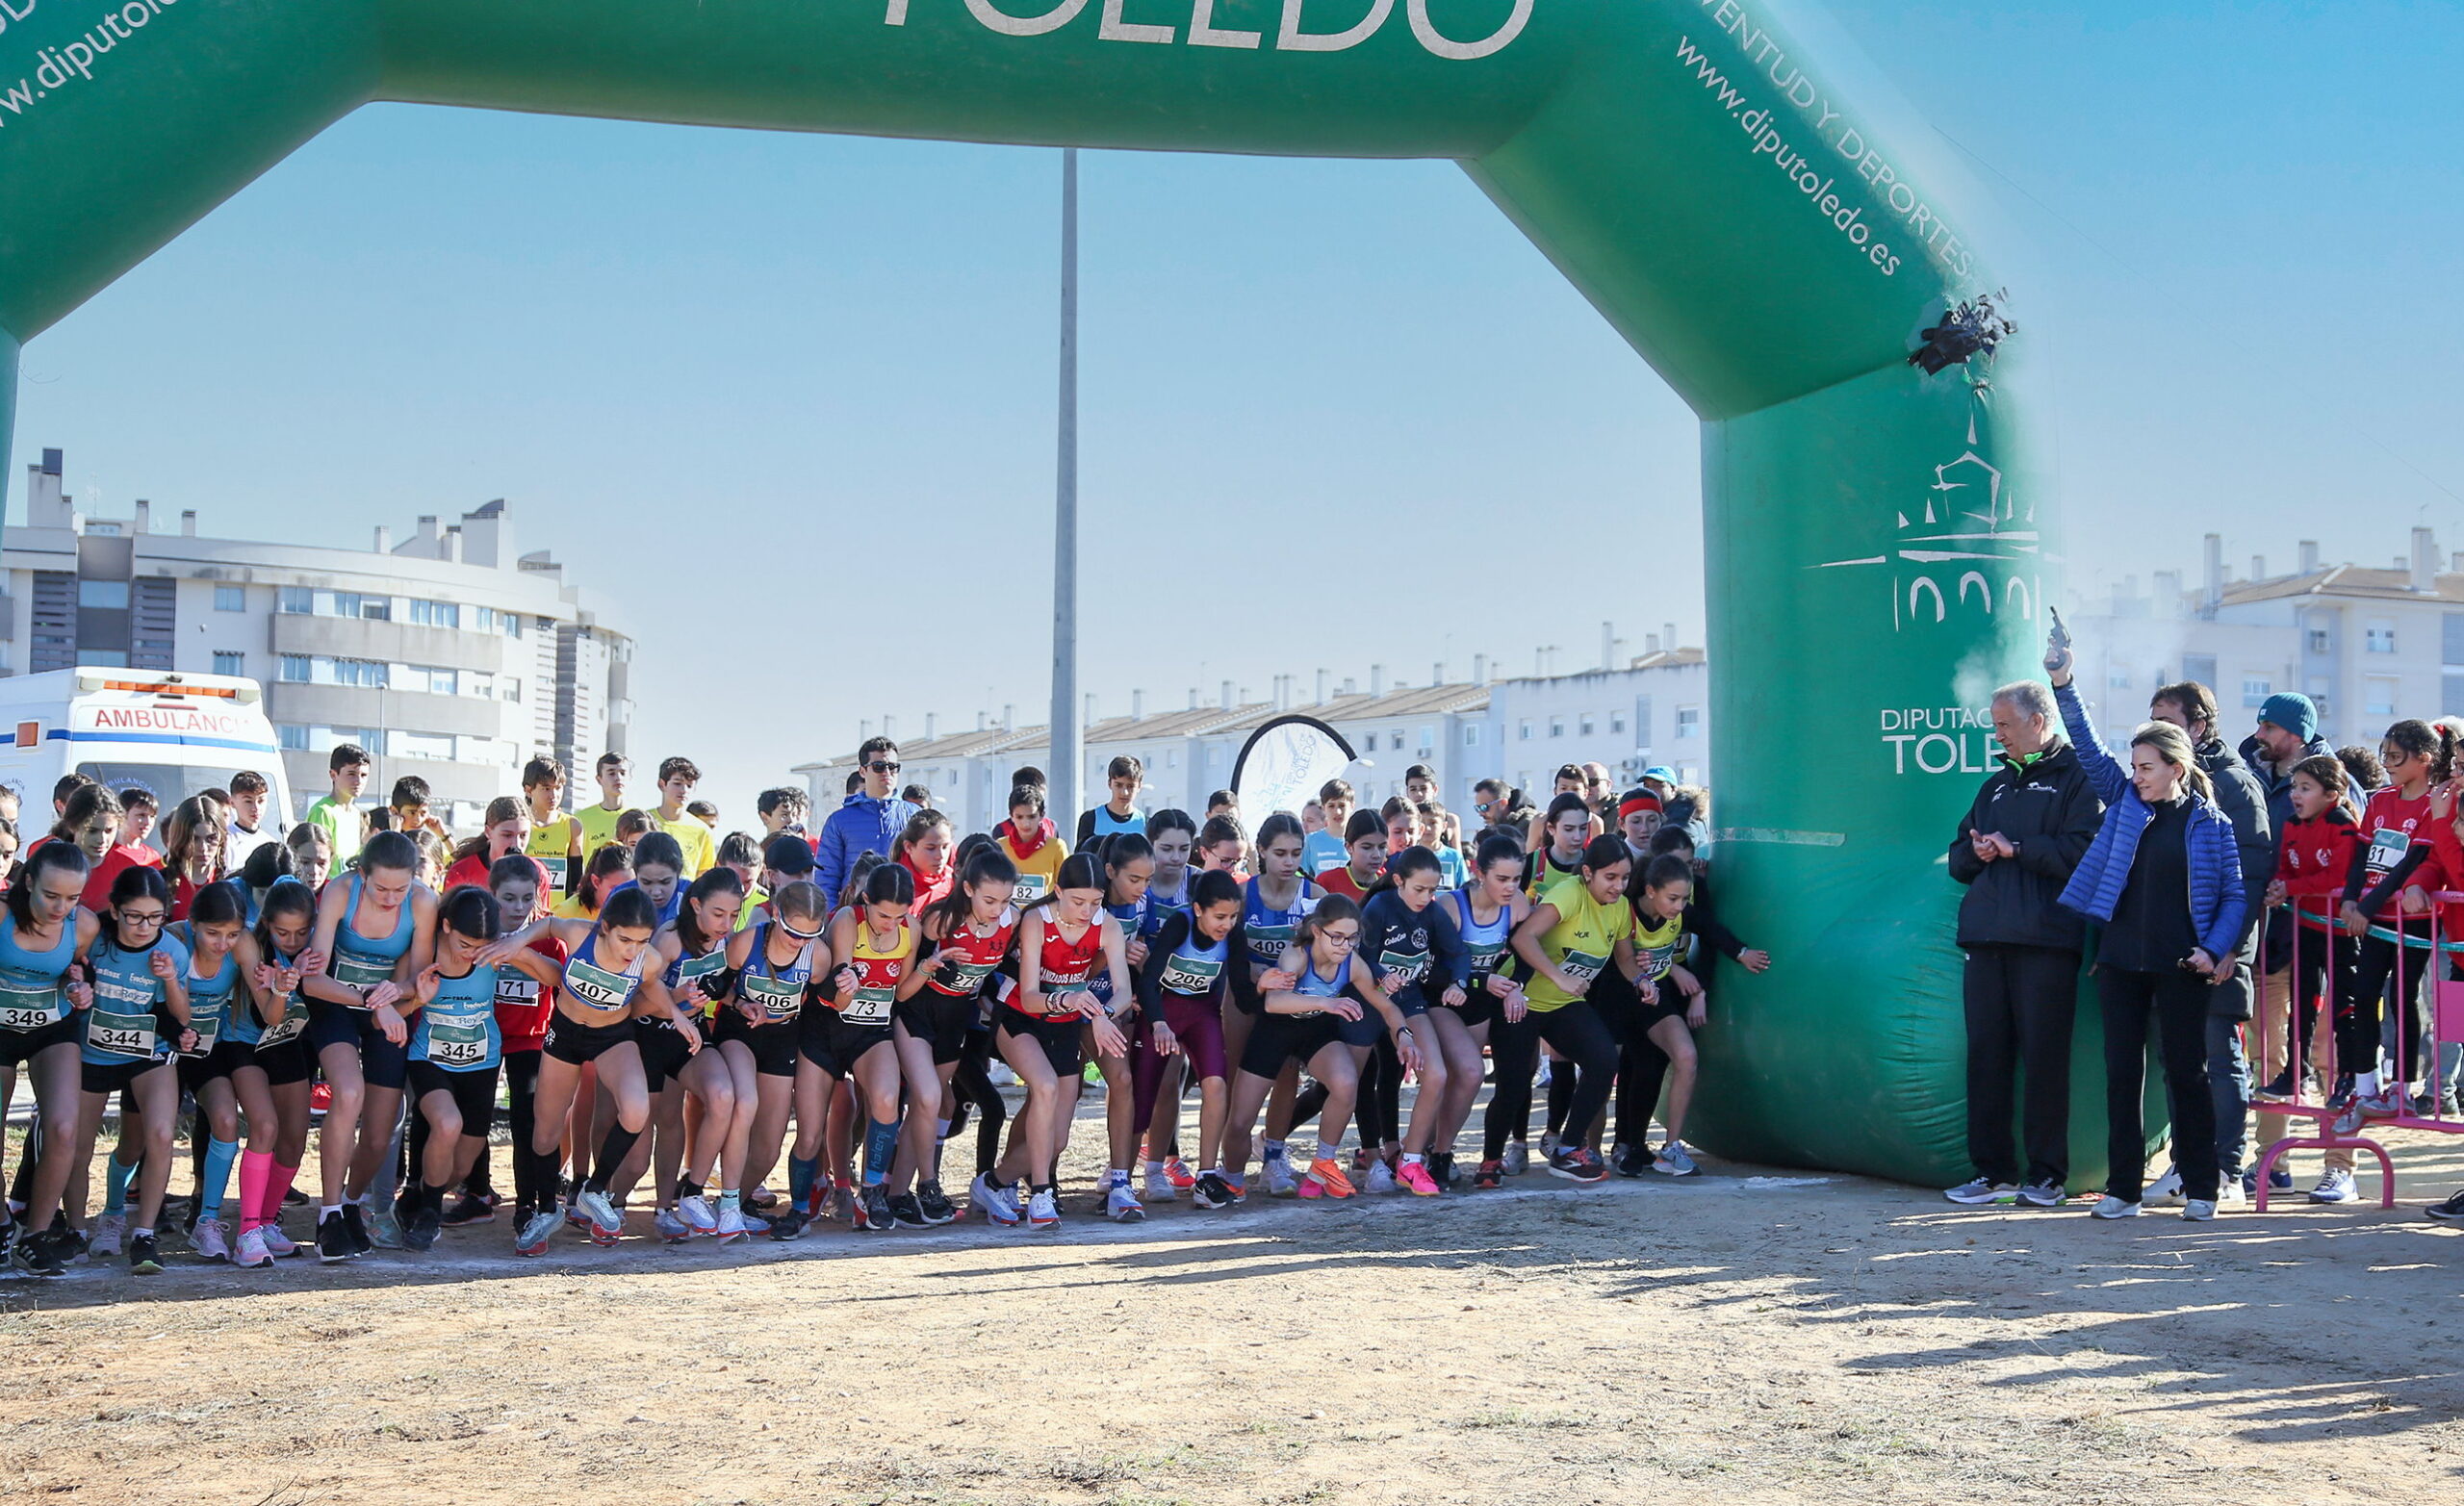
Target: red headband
(1635,802)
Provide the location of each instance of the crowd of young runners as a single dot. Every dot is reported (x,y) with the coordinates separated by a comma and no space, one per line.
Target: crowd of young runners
(662,1014)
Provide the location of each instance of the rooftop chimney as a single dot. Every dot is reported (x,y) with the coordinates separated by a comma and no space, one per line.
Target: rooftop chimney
(2212,594)
(187,523)
(2258,567)
(2168,593)
(1668,636)
(2309,557)
(2424,561)
(890,726)
(1228,701)
(982,721)
(1377,679)
(425,535)
(1609,645)
(1480,669)
(932,725)
(1651,643)
(1088,717)
(864,729)
(1350,687)
(1437,674)
(1192,697)
(145,517)
(1322,687)
(1009,716)
(1138,703)
(452,545)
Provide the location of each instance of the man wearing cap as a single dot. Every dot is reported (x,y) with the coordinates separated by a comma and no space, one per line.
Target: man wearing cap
(2027,828)
(2288,732)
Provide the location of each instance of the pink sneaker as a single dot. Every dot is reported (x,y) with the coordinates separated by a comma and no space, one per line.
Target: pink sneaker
(1310,1188)
(1416,1177)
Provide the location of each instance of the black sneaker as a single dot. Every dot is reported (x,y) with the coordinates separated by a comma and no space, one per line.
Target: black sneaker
(1212,1191)
(2342,1095)
(1577,1164)
(333,1239)
(355,1230)
(872,1210)
(471,1210)
(1630,1161)
(40,1255)
(420,1230)
(787,1223)
(1441,1171)
(292,1197)
(906,1212)
(2450,1211)
(145,1255)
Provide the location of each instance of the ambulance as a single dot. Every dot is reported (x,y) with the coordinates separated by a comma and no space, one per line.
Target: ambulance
(172,735)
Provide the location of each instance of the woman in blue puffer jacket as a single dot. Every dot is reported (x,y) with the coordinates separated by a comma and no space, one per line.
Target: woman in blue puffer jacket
(2164,875)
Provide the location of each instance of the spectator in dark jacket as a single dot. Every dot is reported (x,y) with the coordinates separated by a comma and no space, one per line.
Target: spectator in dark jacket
(869,821)
(2191,706)
(2015,849)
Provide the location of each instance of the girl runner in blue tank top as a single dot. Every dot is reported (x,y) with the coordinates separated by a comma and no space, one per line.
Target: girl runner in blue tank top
(43,930)
(375,927)
(685,979)
(222,1020)
(273,957)
(1129,866)
(1412,949)
(454,1054)
(1173,836)
(138,1018)
(774,965)
(1273,905)
(1496,892)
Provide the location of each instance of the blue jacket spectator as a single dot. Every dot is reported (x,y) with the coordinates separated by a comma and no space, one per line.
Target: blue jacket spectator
(2217,901)
(869,820)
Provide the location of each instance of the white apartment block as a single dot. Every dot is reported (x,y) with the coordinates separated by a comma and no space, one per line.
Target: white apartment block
(2369,645)
(450,654)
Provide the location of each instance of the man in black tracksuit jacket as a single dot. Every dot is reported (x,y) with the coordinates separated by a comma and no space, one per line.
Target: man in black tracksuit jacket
(2027,830)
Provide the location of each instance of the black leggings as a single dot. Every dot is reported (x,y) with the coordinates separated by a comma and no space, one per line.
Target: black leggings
(2361,1009)
(1379,1112)
(972,1083)
(1576,1033)
(2178,1001)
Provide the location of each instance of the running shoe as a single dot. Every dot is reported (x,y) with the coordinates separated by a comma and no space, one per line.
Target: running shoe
(732,1228)
(1580,1164)
(2385,1104)
(1442,1169)
(2343,1092)
(2336,1186)
(1280,1181)
(1414,1178)
(384,1229)
(1178,1174)
(1380,1180)
(1672,1161)
(1980,1192)
(2198,1210)
(1627,1160)
(40,1254)
(574,1216)
(1213,1191)
(2447,1212)
(996,1203)
(1548,1143)
(1361,1159)
(1043,1211)
(698,1215)
(1121,1205)
(2231,1193)
(787,1223)
(210,1239)
(1489,1178)
(2112,1207)
(333,1239)
(906,1213)
(1517,1159)
(842,1203)
(933,1204)
(355,1230)
(1328,1178)
(607,1224)
(468,1210)
(420,1232)
(1159,1186)
(251,1253)
(1239,1188)
(536,1231)
(2280,1090)
(670,1226)
(1091,1074)
(2042,1195)
(145,1256)
(278,1244)
(111,1232)
(873,1213)
(2165,1191)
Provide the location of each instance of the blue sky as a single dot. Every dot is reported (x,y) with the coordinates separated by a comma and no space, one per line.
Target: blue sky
(1333,412)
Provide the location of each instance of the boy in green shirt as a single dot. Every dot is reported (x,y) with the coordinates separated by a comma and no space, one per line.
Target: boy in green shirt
(337,814)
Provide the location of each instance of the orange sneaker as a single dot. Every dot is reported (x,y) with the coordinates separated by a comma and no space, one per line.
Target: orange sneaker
(1180,1176)
(1330,1178)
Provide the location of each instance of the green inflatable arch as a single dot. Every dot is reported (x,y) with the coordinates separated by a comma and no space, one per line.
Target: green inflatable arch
(1775,248)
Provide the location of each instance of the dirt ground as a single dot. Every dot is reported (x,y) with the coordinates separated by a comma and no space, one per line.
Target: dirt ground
(1750,1336)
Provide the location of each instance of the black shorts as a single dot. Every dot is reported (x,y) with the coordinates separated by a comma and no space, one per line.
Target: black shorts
(1058,1039)
(832,1044)
(286,1061)
(772,1045)
(1479,1007)
(197,1071)
(112,1076)
(473,1093)
(941,1020)
(582,1044)
(664,1051)
(381,1062)
(1279,1038)
(19,1047)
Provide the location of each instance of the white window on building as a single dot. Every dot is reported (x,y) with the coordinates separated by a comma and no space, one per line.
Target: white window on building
(1171,757)
(407,744)
(435,614)
(1616,723)
(1428,738)
(1395,739)
(227,661)
(1368,742)
(2255,690)
(292,736)
(2321,642)
(102,593)
(2378,637)
(2378,694)
(1523,734)
(1556,726)
(354,603)
(1582,724)
(1471,734)
(230,599)
(1690,722)
(295,669)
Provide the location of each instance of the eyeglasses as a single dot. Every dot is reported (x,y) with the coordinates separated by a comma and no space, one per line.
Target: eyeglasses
(140,918)
(883,766)
(1341,938)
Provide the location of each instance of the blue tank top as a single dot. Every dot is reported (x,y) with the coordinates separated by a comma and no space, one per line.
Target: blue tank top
(696,970)
(1310,984)
(1162,907)
(30,996)
(457,1028)
(779,990)
(596,988)
(217,1005)
(1270,931)
(1132,919)
(295,1006)
(364,962)
(1485,944)
(127,1020)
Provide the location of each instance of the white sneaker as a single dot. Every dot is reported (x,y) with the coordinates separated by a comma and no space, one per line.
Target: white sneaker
(210,1239)
(1517,1159)
(277,1244)
(732,1227)
(1280,1181)
(2229,1193)
(671,1227)
(2112,1207)
(1159,1186)
(2336,1186)
(1672,1161)
(605,1224)
(1380,1179)
(1547,1141)
(110,1230)
(2198,1210)
(252,1254)
(1980,1192)
(1043,1212)
(1000,1075)
(996,1203)
(1121,1205)
(2165,1191)
(533,1238)
(698,1215)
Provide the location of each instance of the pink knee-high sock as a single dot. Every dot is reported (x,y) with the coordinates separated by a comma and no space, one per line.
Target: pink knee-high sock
(255,1169)
(277,1186)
